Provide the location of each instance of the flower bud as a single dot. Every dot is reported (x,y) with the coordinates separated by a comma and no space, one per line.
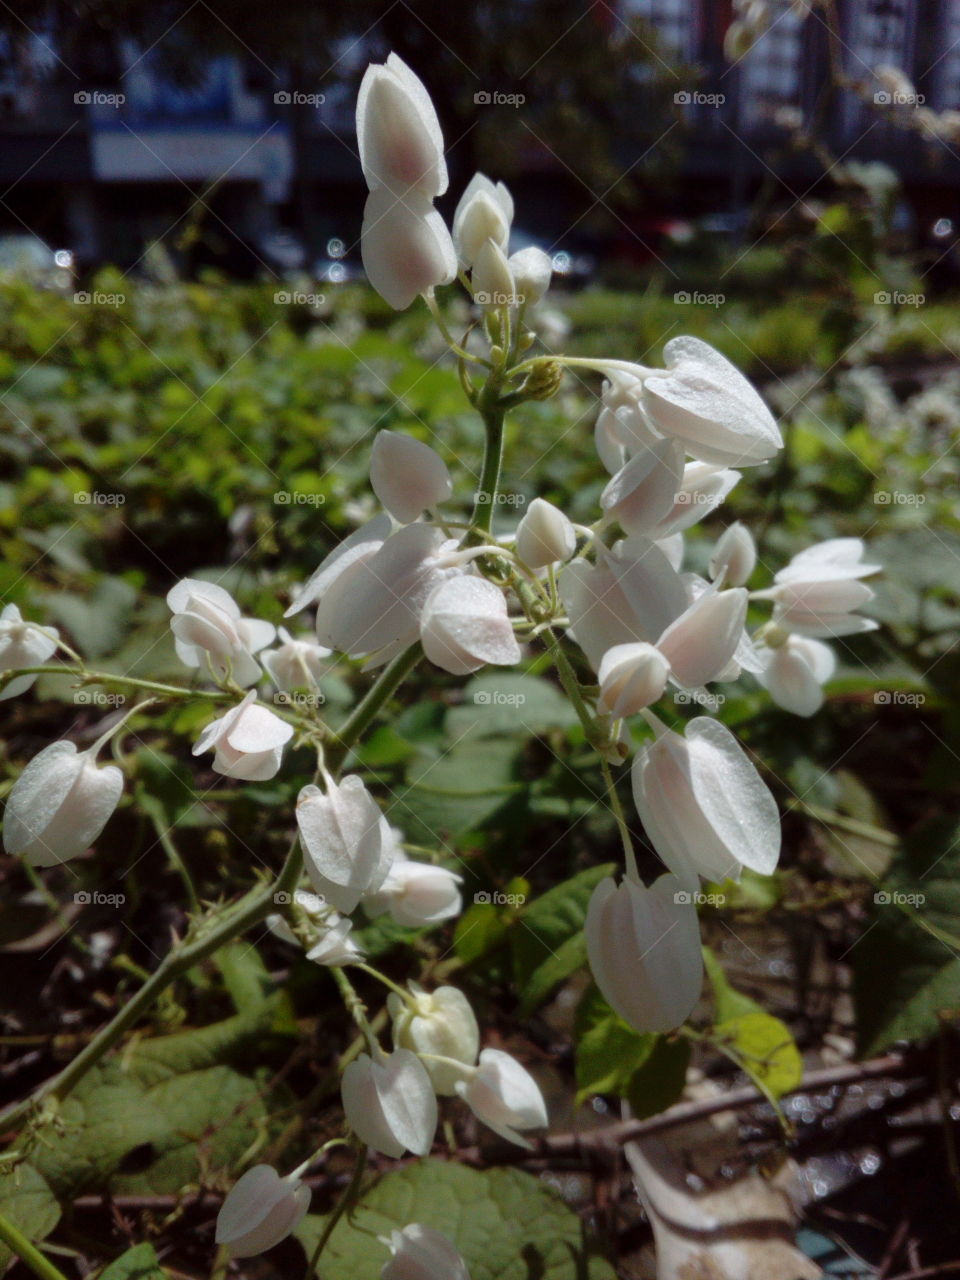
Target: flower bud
(644,491)
(734,556)
(420,1253)
(59,805)
(532,269)
(702,641)
(465,624)
(484,213)
(335,947)
(709,406)
(415,893)
(260,1210)
(632,676)
(248,741)
(795,672)
(644,950)
(390,1105)
(544,536)
(491,278)
(504,1096)
(407,475)
(399,136)
(296,664)
(342,835)
(704,806)
(405,247)
(23,644)
(441,1023)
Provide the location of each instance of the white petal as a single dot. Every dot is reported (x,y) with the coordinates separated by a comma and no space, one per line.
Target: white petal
(398,133)
(405,247)
(465,624)
(407,475)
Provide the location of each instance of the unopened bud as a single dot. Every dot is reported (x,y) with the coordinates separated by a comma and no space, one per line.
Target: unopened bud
(735,555)
(543,380)
(544,535)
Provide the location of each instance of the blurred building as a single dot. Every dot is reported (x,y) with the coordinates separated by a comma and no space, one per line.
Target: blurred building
(105,158)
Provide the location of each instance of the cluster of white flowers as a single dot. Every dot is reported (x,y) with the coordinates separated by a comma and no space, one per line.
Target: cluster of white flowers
(674,441)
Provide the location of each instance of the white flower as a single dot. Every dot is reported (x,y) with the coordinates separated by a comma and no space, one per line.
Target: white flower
(405,247)
(390,1105)
(342,832)
(415,893)
(398,133)
(420,1253)
(631,676)
(531,269)
(464,624)
(644,491)
(816,593)
(296,664)
(700,644)
(491,278)
(504,1096)
(709,406)
(260,1210)
(335,946)
(734,556)
(544,535)
(248,741)
(407,475)
(644,950)
(484,213)
(206,620)
(622,428)
(704,806)
(375,604)
(702,488)
(59,805)
(312,907)
(23,644)
(795,672)
(633,593)
(335,573)
(441,1023)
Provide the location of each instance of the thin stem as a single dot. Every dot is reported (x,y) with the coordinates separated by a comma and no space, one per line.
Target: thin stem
(404,995)
(490,409)
(448,337)
(155,814)
(344,1203)
(628,849)
(28,1253)
(107,677)
(386,684)
(355,1007)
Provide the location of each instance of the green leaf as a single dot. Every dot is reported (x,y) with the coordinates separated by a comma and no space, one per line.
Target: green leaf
(481,928)
(509,704)
(608,1051)
(764,1048)
(455,792)
(548,922)
(505,1223)
(139,1263)
(660,1080)
(27,1201)
(906,966)
(728,1003)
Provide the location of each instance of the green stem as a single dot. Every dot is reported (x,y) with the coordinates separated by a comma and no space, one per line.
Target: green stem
(617,807)
(107,677)
(21,1246)
(345,1201)
(366,710)
(492,412)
